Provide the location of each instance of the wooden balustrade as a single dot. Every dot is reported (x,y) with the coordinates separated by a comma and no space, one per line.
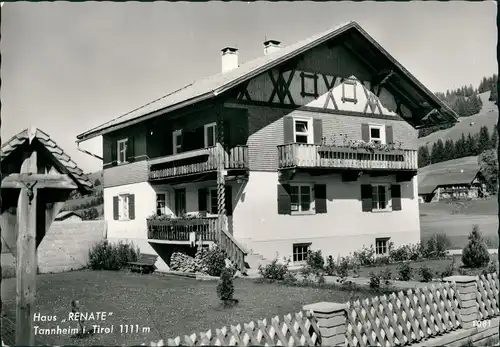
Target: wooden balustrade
(320,156)
(178,229)
(198,161)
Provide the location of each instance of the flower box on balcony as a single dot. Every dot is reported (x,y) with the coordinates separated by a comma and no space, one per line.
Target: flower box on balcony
(336,149)
(179,221)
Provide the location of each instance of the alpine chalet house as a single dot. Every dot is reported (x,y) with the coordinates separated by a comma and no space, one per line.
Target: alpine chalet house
(311,146)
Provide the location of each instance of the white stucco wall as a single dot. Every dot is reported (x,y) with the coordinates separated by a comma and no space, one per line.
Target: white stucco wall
(344,229)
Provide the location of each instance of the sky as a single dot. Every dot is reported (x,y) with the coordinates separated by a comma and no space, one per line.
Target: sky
(68,67)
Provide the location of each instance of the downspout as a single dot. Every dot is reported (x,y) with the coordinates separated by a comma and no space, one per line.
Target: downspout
(86,152)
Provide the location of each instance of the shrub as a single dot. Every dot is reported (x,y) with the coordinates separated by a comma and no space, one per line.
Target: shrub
(383,260)
(491,269)
(374,280)
(225,288)
(437,246)
(330,266)
(107,256)
(215,261)
(315,260)
(386,276)
(449,270)
(275,270)
(399,254)
(365,257)
(426,273)
(405,272)
(343,267)
(475,254)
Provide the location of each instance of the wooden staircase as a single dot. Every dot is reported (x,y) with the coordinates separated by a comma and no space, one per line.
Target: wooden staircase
(236,253)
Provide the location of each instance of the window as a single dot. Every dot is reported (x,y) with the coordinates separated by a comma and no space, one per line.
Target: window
(309,84)
(180,202)
(349,91)
(381,246)
(300,198)
(377,134)
(177,141)
(161,204)
(210,135)
(213,201)
(380,197)
(123,204)
(121,146)
(303,131)
(300,252)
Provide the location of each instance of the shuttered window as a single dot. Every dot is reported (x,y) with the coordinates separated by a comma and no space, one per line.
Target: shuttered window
(124,207)
(381,197)
(301,198)
(161,204)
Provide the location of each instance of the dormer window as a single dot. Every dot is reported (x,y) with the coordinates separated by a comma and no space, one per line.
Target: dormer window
(377,134)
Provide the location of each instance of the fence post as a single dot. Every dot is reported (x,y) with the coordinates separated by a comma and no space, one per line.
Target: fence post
(467,296)
(331,319)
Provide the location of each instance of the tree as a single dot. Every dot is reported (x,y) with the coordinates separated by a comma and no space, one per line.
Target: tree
(475,254)
(97,182)
(488,166)
(423,156)
(470,145)
(449,150)
(437,154)
(494,138)
(460,150)
(484,141)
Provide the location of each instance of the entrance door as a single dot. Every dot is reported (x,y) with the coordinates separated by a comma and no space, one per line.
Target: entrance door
(180,201)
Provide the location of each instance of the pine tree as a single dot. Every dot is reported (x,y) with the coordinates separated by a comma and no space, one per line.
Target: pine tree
(460,147)
(494,138)
(423,156)
(449,150)
(484,141)
(470,146)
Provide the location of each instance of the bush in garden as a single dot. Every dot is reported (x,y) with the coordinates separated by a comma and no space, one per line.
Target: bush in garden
(383,260)
(365,257)
(449,270)
(225,288)
(374,280)
(386,276)
(215,261)
(274,270)
(491,269)
(426,273)
(405,272)
(442,244)
(399,254)
(315,260)
(475,254)
(343,267)
(330,266)
(109,256)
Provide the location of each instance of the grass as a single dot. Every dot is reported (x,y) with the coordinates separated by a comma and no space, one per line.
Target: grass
(455,219)
(170,305)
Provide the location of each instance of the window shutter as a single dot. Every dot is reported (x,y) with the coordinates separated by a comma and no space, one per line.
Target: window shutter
(114,149)
(318,130)
(115,208)
(130,149)
(229,200)
(284,202)
(288,129)
(202,199)
(320,198)
(366,197)
(131,206)
(365,132)
(396,197)
(389,134)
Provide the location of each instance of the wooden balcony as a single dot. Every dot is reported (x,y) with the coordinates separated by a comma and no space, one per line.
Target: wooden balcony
(298,155)
(178,229)
(196,162)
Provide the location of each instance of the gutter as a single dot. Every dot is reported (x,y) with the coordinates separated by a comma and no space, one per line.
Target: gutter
(85,151)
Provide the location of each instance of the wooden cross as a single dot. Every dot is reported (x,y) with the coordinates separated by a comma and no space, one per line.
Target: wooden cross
(28,229)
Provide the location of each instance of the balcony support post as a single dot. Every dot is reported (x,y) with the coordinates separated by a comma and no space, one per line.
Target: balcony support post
(221,190)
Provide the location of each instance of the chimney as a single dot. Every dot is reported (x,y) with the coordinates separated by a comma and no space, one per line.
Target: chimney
(229,59)
(271,46)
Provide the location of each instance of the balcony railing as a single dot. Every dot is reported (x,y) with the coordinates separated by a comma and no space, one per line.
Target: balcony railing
(321,156)
(197,161)
(178,229)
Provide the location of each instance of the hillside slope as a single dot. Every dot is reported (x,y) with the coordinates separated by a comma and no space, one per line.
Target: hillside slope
(488,116)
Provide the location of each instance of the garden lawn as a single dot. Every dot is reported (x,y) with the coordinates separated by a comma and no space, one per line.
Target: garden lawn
(169,305)
(437,265)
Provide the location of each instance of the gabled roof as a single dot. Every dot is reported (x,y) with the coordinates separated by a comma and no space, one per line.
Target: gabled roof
(460,171)
(65,214)
(68,166)
(217,84)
